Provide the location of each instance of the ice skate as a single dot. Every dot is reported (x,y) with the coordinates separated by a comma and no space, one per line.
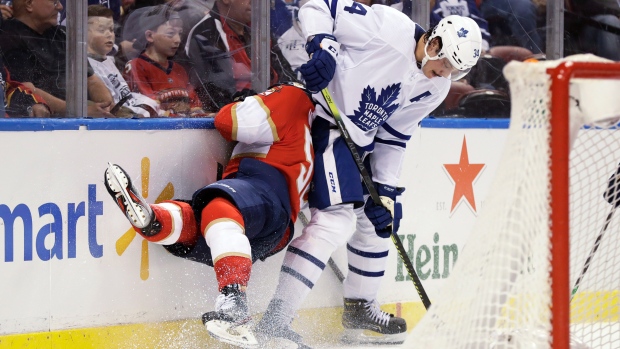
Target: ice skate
(276,326)
(129,200)
(365,322)
(231,321)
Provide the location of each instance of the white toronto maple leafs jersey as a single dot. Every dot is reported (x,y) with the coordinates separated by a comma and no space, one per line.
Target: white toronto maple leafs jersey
(380,92)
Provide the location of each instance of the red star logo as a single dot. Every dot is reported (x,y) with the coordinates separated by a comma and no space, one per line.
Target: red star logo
(463,175)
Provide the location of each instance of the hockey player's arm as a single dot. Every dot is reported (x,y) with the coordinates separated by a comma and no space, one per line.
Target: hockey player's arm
(352,23)
(323,22)
(390,144)
(248,122)
(264,118)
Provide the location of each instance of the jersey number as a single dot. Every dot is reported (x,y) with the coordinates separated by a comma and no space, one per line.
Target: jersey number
(356,8)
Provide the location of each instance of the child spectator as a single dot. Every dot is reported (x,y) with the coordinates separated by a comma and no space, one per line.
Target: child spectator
(100,43)
(153,74)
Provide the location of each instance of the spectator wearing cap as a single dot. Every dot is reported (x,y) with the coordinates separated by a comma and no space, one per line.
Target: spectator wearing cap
(153,73)
(219,47)
(34,52)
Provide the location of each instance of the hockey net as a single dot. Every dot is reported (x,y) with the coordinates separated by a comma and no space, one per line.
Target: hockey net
(512,285)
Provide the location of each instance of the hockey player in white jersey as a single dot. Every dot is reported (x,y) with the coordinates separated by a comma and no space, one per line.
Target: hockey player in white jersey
(385,74)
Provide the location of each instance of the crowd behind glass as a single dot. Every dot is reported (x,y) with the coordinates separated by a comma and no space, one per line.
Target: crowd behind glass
(188,58)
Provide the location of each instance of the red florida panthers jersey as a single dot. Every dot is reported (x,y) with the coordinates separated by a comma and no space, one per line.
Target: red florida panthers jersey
(159,83)
(273,127)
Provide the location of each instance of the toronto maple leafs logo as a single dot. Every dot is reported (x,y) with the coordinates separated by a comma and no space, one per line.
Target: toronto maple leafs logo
(374,110)
(462,33)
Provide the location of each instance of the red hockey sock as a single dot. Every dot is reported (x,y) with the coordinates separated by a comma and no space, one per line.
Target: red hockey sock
(229,269)
(232,270)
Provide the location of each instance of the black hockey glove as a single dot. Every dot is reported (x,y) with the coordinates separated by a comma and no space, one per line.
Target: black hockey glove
(319,70)
(612,194)
(385,217)
(240,96)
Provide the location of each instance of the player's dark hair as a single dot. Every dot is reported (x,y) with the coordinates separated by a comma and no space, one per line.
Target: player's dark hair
(100,11)
(428,34)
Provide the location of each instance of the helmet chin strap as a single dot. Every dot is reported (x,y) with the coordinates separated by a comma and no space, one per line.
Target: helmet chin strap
(426,56)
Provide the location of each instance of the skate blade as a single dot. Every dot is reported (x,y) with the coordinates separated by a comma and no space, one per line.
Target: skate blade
(360,336)
(118,183)
(114,178)
(226,332)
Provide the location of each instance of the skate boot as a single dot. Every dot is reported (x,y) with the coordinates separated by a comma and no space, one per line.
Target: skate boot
(276,325)
(365,322)
(231,321)
(129,200)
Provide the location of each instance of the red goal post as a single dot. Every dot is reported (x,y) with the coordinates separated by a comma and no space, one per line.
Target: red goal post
(511,287)
(561,77)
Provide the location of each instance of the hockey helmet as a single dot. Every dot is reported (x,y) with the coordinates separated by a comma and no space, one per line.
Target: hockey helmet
(461,44)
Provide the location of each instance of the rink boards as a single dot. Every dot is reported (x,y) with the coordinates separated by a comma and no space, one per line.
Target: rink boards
(75,275)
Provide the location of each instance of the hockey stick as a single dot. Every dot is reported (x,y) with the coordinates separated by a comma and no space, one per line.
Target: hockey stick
(334,267)
(592,252)
(375,196)
(613,197)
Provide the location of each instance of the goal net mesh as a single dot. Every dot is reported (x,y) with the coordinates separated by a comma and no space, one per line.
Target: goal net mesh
(499,294)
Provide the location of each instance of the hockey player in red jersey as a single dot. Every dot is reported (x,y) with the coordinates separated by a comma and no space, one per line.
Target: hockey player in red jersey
(244,217)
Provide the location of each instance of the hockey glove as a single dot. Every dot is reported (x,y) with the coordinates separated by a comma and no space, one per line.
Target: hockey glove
(319,70)
(240,96)
(385,217)
(612,194)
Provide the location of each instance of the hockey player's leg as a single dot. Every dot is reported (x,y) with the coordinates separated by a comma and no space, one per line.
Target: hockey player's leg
(303,263)
(223,227)
(166,223)
(363,320)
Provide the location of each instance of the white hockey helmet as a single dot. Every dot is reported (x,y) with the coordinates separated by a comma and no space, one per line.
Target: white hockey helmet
(461,44)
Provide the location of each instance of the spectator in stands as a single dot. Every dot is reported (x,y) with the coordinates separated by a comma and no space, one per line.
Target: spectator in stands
(280,18)
(593,26)
(153,74)
(33,48)
(100,43)
(465,8)
(292,42)
(189,11)
(520,17)
(6,8)
(219,50)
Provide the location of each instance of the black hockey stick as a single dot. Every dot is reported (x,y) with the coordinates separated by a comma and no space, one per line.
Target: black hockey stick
(375,196)
(612,195)
(592,252)
(332,264)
